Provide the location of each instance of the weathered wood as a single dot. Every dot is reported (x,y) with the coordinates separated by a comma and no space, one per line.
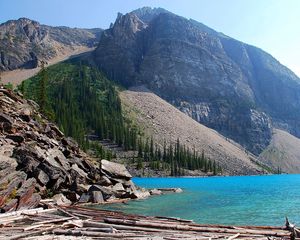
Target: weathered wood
(105,224)
(193,228)
(95,234)
(20,236)
(234,236)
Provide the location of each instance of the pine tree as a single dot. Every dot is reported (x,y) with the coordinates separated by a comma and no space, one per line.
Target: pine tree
(42,88)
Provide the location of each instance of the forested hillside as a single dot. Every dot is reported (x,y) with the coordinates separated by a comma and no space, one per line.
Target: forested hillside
(85,105)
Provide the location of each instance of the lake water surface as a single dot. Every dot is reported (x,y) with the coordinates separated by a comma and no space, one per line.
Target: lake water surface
(247,200)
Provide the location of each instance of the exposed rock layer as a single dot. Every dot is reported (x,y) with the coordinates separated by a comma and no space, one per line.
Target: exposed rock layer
(24,42)
(232,87)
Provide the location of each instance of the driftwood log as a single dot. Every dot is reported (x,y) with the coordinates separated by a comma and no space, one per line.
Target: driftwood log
(87,223)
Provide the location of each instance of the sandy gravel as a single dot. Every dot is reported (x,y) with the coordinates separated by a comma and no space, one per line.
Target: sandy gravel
(17,76)
(283,152)
(162,120)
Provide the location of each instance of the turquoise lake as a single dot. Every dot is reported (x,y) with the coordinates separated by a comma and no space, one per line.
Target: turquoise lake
(247,200)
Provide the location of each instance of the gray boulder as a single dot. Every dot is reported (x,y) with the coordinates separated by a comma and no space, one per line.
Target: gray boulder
(115,170)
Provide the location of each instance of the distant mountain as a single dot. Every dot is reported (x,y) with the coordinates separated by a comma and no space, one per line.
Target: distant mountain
(24,42)
(237,89)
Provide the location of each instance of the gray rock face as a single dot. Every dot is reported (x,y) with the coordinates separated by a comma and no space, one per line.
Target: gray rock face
(24,43)
(225,84)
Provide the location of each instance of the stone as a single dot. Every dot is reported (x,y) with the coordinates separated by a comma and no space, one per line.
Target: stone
(5,118)
(10,206)
(118,187)
(56,130)
(106,191)
(155,192)
(140,194)
(32,202)
(70,143)
(61,200)
(9,185)
(84,198)
(178,190)
(115,170)
(97,197)
(25,193)
(25,114)
(42,177)
(72,196)
(16,138)
(105,181)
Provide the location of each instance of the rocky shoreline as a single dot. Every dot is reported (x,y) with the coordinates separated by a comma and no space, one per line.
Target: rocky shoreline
(38,162)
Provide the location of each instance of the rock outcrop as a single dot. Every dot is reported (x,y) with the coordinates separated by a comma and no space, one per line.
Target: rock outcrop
(37,161)
(232,87)
(24,42)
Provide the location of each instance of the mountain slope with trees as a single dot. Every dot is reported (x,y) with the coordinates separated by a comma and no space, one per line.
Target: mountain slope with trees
(165,123)
(237,89)
(87,107)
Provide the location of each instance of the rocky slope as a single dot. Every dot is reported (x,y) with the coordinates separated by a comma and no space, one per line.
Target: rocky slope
(234,88)
(24,43)
(283,152)
(38,161)
(163,121)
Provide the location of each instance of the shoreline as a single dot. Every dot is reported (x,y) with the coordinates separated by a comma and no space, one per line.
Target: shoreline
(91,223)
(219,176)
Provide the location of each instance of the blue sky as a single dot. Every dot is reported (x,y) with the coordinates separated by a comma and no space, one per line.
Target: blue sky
(272,25)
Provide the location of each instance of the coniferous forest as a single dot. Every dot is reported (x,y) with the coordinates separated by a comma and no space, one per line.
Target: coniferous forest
(83,102)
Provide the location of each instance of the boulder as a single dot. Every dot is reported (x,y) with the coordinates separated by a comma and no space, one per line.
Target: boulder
(106,191)
(118,187)
(24,194)
(61,200)
(115,170)
(5,118)
(11,205)
(31,202)
(25,114)
(72,196)
(9,185)
(97,197)
(104,181)
(178,190)
(140,194)
(42,177)
(84,198)
(155,192)
(16,138)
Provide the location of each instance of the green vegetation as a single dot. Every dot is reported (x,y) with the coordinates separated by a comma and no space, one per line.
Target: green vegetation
(86,105)
(82,101)
(175,157)
(9,86)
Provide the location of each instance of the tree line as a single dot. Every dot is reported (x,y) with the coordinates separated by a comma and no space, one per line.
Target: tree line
(83,102)
(174,157)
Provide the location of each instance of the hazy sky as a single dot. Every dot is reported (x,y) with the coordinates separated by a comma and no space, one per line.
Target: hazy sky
(272,25)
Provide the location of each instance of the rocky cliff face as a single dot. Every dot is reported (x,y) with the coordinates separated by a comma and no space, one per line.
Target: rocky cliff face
(235,88)
(38,161)
(23,42)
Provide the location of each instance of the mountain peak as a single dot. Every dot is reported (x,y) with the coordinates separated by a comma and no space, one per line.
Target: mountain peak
(146,14)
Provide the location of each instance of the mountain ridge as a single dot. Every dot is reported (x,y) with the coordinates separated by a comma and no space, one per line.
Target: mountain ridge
(25,42)
(201,71)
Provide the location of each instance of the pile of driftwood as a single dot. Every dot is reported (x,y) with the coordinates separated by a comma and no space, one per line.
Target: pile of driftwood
(83,223)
